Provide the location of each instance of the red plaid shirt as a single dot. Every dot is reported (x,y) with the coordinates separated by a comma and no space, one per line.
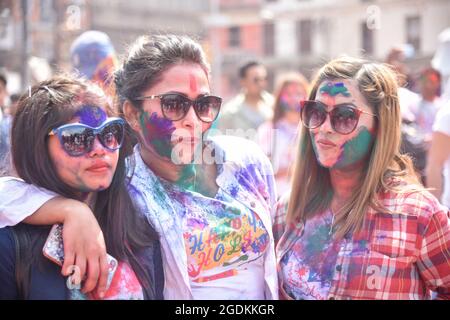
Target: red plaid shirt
(408,253)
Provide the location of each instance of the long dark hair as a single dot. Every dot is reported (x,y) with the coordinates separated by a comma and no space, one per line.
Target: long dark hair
(53,103)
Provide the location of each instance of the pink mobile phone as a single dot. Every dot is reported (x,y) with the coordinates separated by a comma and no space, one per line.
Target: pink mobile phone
(54,250)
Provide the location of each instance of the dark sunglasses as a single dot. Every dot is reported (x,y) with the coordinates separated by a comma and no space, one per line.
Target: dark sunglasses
(78,139)
(343,117)
(175,106)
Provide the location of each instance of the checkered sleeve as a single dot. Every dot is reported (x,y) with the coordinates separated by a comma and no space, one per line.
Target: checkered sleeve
(434,257)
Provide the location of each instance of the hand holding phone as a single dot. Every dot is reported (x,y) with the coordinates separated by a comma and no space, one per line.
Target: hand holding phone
(54,250)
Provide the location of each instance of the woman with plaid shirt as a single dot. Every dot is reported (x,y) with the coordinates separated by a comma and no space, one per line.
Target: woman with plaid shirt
(357,223)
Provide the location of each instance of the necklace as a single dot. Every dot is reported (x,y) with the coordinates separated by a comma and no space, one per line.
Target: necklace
(332,222)
(333,214)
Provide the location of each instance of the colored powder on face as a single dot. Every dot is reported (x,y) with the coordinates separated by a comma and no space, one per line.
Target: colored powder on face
(72,176)
(192,83)
(355,149)
(334,89)
(158,133)
(285,106)
(91,116)
(82,184)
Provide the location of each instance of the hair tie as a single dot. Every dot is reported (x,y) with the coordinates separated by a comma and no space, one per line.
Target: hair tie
(46,88)
(50,91)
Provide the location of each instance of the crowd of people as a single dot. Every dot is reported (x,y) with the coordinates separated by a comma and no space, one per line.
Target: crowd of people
(334,188)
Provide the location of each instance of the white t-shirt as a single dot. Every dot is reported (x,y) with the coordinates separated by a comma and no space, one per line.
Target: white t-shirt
(12,196)
(425,114)
(442,124)
(225,248)
(407,100)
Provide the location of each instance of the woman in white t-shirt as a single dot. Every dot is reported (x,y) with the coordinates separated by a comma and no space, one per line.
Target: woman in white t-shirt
(438,167)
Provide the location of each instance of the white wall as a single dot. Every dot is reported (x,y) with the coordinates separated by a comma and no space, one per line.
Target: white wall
(286,45)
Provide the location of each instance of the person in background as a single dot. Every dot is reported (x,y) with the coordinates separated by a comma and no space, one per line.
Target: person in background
(93,57)
(243,114)
(441,62)
(413,140)
(5,123)
(438,167)
(6,167)
(357,223)
(416,134)
(3,94)
(277,137)
(429,104)
(408,99)
(12,108)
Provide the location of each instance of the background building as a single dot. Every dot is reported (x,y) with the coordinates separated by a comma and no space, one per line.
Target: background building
(283,34)
(302,34)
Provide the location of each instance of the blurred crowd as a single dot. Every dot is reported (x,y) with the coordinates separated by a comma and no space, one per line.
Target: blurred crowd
(271,118)
(297,193)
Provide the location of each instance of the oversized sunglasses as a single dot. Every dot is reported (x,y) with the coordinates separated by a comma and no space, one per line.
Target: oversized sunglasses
(78,139)
(343,117)
(175,106)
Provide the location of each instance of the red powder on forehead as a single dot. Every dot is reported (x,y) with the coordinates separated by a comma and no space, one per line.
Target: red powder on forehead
(432,77)
(193,83)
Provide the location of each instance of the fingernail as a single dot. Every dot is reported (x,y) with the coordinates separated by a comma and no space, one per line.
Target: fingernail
(101,295)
